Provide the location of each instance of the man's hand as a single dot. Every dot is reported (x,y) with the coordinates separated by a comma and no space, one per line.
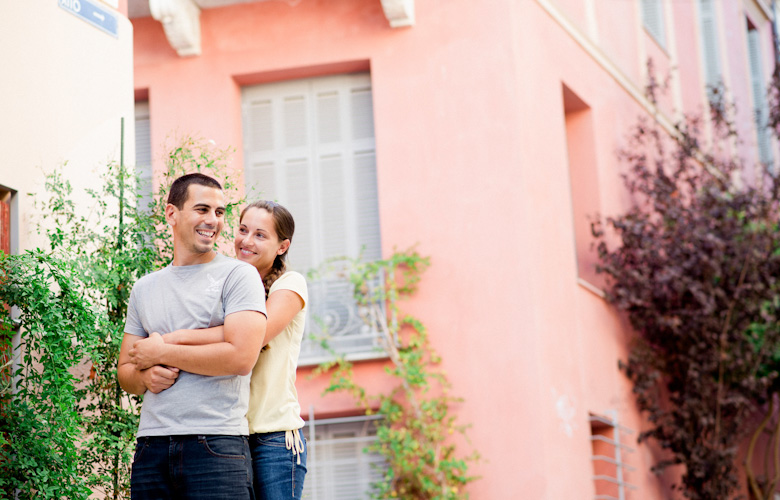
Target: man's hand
(137,381)
(158,378)
(146,352)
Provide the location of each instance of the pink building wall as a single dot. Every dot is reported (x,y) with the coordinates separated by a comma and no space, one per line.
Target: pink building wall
(473,168)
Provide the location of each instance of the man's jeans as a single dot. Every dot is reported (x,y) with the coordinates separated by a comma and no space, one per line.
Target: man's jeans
(192,468)
(278,475)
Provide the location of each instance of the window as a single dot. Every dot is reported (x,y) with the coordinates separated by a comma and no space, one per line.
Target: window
(8,363)
(713,77)
(5,220)
(338,468)
(309,144)
(653,20)
(761,112)
(609,458)
(143,153)
(584,183)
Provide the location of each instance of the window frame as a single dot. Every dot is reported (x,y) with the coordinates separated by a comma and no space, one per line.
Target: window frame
(313,475)
(273,147)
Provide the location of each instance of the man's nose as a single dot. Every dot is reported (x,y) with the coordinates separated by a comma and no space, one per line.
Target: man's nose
(211,218)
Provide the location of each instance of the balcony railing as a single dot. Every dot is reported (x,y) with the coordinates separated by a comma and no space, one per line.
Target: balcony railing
(337,325)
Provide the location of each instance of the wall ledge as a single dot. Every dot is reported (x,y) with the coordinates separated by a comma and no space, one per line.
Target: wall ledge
(400,13)
(181,22)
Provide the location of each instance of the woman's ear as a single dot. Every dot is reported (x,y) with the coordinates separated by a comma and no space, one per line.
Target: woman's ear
(285,246)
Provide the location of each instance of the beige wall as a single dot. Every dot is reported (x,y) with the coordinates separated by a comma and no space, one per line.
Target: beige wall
(66,84)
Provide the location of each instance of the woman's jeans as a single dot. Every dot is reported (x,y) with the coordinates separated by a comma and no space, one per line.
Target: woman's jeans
(278,475)
(192,468)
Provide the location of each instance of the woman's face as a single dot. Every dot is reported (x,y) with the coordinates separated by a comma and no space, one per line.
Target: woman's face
(257,242)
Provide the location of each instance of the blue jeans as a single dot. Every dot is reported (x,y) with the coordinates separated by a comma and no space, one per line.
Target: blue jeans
(278,475)
(192,468)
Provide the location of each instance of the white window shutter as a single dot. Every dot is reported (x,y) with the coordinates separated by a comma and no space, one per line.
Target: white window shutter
(298,200)
(653,20)
(709,45)
(362,113)
(309,144)
(328,117)
(143,153)
(366,208)
(261,181)
(333,207)
(259,126)
(338,468)
(759,96)
(294,113)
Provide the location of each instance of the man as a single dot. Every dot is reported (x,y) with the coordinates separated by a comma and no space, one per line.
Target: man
(192,437)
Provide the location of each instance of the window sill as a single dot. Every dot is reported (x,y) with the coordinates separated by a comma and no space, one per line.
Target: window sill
(355,356)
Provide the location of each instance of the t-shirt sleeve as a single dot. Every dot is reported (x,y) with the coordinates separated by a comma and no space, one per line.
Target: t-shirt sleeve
(133,324)
(244,291)
(292,281)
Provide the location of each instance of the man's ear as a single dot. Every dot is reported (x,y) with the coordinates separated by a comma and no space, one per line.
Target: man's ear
(170,214)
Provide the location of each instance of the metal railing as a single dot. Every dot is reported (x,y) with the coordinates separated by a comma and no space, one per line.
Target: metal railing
(618,458)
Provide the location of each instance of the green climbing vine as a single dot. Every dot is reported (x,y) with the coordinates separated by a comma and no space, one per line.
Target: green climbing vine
(67,429)
(415,435)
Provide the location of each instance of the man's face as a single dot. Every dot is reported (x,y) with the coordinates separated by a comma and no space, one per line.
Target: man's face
(198,224)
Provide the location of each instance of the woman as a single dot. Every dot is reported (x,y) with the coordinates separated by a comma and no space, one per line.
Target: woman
(278,449)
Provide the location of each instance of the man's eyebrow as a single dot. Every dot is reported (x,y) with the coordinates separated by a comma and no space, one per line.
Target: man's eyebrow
(206,205)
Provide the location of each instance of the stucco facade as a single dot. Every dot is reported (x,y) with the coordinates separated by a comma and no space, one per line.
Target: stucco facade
(496,129)
(67,87)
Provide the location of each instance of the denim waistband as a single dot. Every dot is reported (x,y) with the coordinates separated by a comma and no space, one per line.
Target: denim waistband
(185,437)
(266,435)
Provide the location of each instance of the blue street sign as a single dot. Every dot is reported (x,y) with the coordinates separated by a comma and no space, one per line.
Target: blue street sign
(92,13)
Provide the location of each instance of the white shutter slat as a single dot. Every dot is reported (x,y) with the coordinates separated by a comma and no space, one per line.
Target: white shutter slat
(295,122)
(143,141)
(709,41)
(143,153)
(366,205)
(333,207)
(362,113)
(298,201)
(259,127)
(328,117)
(261,181)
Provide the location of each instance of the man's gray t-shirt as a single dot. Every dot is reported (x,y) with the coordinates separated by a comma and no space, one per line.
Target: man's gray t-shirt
(185,297)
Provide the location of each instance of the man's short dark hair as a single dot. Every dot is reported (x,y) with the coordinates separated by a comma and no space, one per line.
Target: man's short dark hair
(177,196)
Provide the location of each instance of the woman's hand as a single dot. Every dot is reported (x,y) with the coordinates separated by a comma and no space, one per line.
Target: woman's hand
(147,352)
